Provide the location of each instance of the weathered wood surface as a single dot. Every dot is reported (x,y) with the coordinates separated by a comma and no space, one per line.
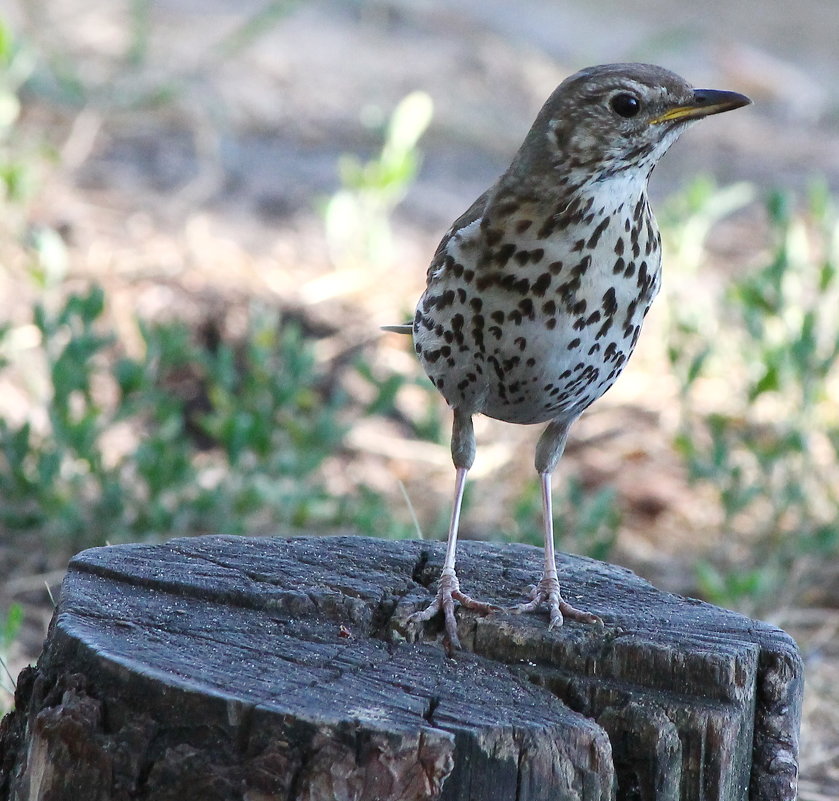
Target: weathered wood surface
(263,669)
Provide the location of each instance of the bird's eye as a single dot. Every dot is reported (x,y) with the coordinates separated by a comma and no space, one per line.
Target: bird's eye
(625,105)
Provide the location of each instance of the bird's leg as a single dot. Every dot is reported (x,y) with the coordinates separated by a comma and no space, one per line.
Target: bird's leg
(448,588)
(546,592)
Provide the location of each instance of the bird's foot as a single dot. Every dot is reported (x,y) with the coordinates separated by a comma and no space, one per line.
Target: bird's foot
(448,591)
(546,593)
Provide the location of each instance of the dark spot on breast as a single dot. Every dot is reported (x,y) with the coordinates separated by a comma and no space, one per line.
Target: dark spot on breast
(642,275)
(504,254)
(498,316)
(579,307)
(446,299)
(526,307)
(638,211)
(511,283)
(493,236)
(555,267)
(620,265)
(549,307)
(536,255)
(574,343)
(523,225)
(619,246)
(610,303)
(598,232)
(604,329)
(541,284)
(630,269)
(485,281)
(581,268)
(496,367)
(522,257)
(476,304)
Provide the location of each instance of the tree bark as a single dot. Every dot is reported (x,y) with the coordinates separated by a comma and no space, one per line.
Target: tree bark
(282,670)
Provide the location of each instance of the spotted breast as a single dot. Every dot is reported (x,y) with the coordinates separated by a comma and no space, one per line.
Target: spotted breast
(531,311)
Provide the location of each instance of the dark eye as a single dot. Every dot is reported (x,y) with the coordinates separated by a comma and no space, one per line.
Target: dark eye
(625,105)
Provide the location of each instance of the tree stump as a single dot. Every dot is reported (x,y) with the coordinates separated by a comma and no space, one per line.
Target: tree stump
(280,670)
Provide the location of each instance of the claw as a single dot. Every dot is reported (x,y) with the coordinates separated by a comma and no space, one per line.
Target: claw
(546,593)
(448,591)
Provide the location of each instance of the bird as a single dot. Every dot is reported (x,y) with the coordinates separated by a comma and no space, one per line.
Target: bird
(535,297)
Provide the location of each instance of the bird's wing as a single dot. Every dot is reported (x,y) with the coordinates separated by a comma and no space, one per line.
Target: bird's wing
(473,213)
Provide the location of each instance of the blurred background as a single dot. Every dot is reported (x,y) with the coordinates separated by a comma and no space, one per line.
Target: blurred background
(209,208)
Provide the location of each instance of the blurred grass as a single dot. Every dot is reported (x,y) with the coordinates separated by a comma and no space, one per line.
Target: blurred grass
(757,362)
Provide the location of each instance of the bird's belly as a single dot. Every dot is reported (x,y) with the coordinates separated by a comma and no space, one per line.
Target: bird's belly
(532,359)
(549,373)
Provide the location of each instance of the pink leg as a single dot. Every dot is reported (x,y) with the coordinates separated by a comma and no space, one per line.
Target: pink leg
(448,589)
(546,592)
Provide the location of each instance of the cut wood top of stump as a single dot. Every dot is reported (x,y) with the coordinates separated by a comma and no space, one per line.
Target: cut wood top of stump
(305,639)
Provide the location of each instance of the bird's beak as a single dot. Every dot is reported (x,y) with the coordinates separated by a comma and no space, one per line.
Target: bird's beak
(705,102)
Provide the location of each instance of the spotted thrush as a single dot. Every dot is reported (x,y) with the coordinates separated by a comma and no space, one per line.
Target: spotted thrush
(536,295)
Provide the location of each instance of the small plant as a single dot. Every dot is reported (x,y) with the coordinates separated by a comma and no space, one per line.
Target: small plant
(585,522)
(189,438)
(358,215)
(16,64)
(9,628)
(758,369)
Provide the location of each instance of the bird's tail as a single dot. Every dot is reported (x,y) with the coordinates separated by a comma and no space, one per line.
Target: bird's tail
(407,328)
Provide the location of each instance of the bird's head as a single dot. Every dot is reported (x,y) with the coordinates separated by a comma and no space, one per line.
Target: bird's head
(605,120)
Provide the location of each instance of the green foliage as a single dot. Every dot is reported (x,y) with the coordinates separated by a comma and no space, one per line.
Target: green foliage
(758,366)
(9,627)
(585,522)
(228,439)
(16,65)
(358,215)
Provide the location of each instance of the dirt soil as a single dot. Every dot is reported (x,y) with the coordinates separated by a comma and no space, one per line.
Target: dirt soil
(213,194)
